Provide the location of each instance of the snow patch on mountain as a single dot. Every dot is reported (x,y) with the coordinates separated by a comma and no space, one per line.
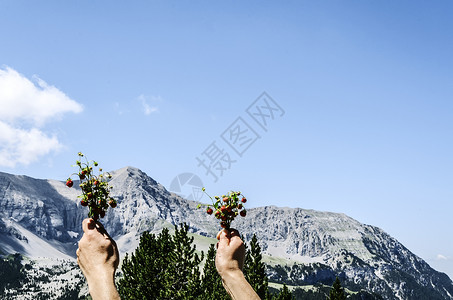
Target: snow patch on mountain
(29,244)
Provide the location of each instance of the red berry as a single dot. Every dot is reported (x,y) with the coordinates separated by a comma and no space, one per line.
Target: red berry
(217,214)
(69,183)
(224,218)
(209,211)
(223,208)
(244,200)
(225,199)
(84,203)
(96,182)
(112,203)
(240,206)
(89,195)
(223,224)
(81,176)
(243,213)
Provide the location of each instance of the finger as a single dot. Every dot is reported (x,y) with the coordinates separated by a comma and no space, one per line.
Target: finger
(236,241)
(88,224)
(223,238)
(235,236)
(223,232)
(77,252)
(218,234)
(234,232)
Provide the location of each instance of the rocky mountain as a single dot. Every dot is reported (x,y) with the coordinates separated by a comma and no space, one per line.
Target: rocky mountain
(303,248)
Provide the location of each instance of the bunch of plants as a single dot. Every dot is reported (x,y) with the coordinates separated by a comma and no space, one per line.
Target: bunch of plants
(95,187)
(226,207)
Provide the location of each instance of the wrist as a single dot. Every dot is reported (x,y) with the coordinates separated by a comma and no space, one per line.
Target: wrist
(102,285)
(237,286)
(100,274)
(231,275)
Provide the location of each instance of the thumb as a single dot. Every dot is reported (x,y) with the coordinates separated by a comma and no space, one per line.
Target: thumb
(223,237)
(88,224)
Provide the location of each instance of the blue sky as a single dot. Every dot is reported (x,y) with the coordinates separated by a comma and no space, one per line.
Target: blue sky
(364,88)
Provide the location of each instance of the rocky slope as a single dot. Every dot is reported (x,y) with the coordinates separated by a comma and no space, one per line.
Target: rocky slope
(43,217)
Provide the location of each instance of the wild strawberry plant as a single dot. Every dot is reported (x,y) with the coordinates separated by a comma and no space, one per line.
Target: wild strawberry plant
(226,207)
(95,188)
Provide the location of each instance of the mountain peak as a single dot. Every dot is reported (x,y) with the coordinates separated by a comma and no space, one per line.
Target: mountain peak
(131,173)
(128,170)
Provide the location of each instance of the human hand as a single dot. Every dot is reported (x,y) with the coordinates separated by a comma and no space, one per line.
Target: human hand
(229,262)
(230,252)
(98,258)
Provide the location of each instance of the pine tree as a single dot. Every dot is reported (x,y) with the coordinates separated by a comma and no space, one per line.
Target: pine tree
(185,273)
(255,269)
(162,267)
(284,294)
(11,275)
(211,281)
(167,267)
(144,271)
(337,292)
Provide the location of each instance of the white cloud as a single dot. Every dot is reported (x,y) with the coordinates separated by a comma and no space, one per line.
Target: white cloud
(22,100)
(441,257)
(24,146)
(147,108)
(24,108)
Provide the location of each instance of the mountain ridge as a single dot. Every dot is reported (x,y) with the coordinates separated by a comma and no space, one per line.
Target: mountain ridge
(332,243)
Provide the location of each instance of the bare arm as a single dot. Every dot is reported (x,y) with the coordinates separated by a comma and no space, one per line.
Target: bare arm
(98,258)
(229,263)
